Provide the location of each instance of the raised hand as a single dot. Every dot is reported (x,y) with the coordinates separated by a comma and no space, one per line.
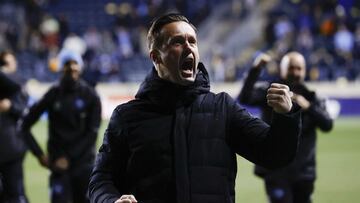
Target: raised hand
(303,103)
(279,98)
(261,60)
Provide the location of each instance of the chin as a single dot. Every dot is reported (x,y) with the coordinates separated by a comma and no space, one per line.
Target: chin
(185,82)
(188,80)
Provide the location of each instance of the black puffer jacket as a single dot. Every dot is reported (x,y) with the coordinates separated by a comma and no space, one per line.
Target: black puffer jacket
(303,167)
(1,185)
(8,87)
(12,146)
(179,144)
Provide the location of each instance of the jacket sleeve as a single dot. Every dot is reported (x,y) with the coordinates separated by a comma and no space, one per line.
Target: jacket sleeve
(93,121)
(108,179)
(7,86)
(31,118)
(250,95)
(18,104)
(320,115)
(271,146)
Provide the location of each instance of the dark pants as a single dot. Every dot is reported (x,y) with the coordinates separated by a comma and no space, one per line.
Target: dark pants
(284,191)
(67,187)
(12,179)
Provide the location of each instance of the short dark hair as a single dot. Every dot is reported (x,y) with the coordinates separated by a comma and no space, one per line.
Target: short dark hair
(153,36)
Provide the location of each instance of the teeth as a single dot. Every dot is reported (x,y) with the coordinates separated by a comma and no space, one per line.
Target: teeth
(187,71)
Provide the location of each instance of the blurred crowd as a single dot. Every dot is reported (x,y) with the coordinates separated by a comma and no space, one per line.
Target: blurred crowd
(327,33)
(112,38)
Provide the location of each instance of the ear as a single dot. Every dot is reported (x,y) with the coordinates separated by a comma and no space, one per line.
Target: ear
(155,56)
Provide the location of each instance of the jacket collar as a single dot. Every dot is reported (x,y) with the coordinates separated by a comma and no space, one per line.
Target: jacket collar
(163,92)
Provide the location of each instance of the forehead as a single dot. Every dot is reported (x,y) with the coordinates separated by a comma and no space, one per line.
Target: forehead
(72,66)
(71,62)
(178,28)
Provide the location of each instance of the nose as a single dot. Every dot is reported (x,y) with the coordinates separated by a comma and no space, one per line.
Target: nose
(297,71)
(71,68)
(187,49)
(74,67)
(186,44)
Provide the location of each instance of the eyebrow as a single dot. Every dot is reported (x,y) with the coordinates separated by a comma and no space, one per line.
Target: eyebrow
(182,36)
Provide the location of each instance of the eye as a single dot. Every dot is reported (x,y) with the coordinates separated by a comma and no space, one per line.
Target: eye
(177,41)
(192,40)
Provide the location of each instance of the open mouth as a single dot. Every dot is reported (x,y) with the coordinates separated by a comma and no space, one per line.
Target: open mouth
(187,67)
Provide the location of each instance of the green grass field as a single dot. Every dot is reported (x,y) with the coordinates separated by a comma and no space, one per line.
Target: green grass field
(338,168)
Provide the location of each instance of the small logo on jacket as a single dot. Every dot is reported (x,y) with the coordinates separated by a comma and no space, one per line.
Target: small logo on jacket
(57,106)
(79,103)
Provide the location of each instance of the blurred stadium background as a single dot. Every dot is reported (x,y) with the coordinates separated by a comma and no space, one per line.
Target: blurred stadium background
(111,35)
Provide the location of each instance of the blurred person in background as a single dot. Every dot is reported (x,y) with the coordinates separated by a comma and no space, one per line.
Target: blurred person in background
(295,182)
(74,115)
(13,102)
(177,141)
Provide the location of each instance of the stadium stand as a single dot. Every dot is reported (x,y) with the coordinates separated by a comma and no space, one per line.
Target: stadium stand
(114,32)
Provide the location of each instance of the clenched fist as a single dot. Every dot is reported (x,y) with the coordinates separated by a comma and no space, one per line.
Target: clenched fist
(279,98)
(5,105)
(261,60)
(126,199)
(61,164)
(303,103)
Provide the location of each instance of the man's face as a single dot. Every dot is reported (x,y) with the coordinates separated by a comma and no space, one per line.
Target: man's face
(11,63)
(72,70)
(178,57)
(295,71)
